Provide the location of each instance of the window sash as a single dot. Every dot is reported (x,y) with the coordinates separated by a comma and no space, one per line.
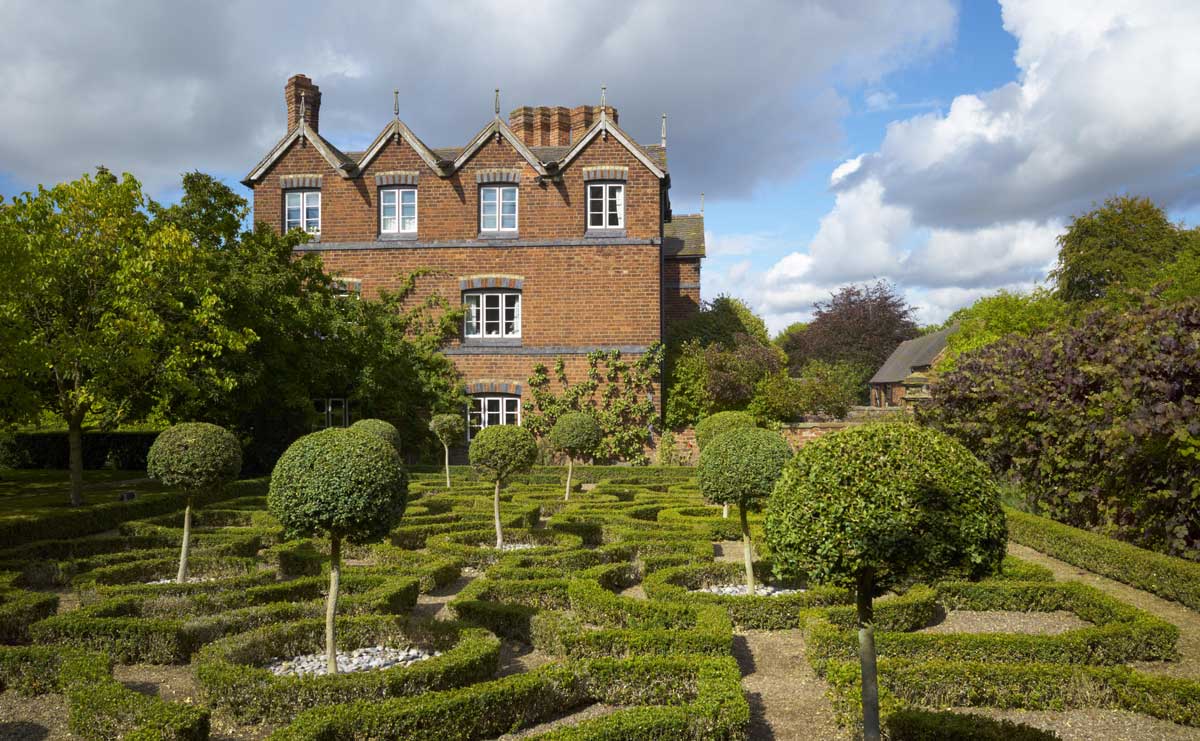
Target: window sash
(498,209)
(398,210)
(485,411)
(606,206)
(492,314)
(302,210)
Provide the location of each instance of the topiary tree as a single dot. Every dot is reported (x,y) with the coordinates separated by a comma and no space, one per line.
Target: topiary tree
(345,483)
(449,429)
(740,466)
(714,425)
(873,506)
(499,451)
(385,431)
(575,434)
(194,457)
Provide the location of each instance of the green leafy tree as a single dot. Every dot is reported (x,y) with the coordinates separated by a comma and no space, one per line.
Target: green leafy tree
(195,457)
(449,430)
(381,429)
(874,506)
(735,369)
(776,399)
(575,434)
(347,484)
(1114,248)
(740,467)
(993,317)
(688,400)
(498,452)
(719,321)
(105,308)
(794,328)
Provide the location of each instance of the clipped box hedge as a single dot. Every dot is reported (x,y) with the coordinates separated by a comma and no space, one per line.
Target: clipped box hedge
(231,675)
(476,548)
(20,609)
(1168,577)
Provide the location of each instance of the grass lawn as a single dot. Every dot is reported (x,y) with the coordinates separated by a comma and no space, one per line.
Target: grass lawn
(36,492)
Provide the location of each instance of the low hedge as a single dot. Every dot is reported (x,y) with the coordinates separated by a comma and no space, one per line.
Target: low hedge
(20,609)
(1168,577)
(476,548)
(708,520)
(100,708)
(200,565)
(1120,633)
(414,532)
(98,518)
(914,609)
(760,612)
(673,697)
(231,675)
(925,725)
(507,606)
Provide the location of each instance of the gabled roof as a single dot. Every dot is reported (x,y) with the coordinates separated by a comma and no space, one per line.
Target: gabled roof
(683,236)
(605,125)
(915,353)
(498,127)
(398,128)
(342,163)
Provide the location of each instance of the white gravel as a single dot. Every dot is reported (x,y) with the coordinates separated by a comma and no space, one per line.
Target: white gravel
(739,590)
(189,580)
(510,546)
(371,658)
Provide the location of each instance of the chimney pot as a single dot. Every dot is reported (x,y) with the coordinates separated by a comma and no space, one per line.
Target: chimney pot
(298,87)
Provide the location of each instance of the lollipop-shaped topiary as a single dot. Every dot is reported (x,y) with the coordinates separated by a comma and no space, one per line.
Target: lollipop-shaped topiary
(386,431)
(715,424)
(498,452)
(575,434)
(449,429)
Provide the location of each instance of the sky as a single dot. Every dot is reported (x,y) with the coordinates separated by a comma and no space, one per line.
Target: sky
(936,144)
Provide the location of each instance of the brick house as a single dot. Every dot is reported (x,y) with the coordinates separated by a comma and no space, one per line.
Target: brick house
(907,375)
(554,229)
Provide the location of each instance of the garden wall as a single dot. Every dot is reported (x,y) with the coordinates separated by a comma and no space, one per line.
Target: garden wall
(797,434)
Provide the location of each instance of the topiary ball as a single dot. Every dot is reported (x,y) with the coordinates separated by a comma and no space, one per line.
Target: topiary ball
(449,428)
(386,431)
(499,451)
(194,456)
(741,466)
(715,424)
(342,482)
(904,500)
(576,433)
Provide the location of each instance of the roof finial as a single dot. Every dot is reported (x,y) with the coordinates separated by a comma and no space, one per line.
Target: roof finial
(663,137)
(300,123)
(604,110)
(701,203)
(396,102)
(603,91)
(497,102)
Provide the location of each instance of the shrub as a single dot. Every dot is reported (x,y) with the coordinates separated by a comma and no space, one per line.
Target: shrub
(576,434)
(497,452)
(777,399)
(194,457)
(740,466)
(715,424)
(345,483)
(381,429)
(449,430)
(874,505)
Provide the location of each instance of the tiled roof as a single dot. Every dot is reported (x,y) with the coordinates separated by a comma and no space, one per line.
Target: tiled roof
(683,236)
(914,353)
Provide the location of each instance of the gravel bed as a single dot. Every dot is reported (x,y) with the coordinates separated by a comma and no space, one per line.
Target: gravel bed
(39,717)
(370,658)
(189,580)
(510,546)
(1005,621)
(740,590)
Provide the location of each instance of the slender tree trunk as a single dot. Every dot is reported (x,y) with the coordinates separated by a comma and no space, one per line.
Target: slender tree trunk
(187,541)
(748,551)
(335,576)
(75,458)
(570,464)
(496,510)
(447,448)
(725,511)
(866,655)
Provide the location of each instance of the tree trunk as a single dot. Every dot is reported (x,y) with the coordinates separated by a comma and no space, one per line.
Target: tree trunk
(570,464)
(496,510)
(187,541)
(447,447)
(866,655)
(75,458)
(748,552)
(725,511)
(335,575)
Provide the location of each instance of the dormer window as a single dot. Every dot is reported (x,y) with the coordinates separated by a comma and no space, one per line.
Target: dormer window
(398,211)
(302,210)
(498,208)
(606,206)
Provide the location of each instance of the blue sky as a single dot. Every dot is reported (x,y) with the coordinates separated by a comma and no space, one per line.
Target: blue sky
(937,144)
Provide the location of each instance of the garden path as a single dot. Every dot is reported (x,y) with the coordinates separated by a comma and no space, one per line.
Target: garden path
(433,604)
(1188,621)
(787,698)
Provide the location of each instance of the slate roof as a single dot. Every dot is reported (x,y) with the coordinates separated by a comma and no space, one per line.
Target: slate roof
(683,236)
(914,353)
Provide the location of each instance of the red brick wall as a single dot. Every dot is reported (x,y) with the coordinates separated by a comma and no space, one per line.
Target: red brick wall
(797,436)
(680,299)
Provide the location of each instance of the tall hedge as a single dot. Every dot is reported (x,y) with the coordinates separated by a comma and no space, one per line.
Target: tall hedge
(1099,421)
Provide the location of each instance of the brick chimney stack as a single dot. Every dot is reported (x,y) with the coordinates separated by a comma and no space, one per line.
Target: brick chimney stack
(300,86)
(554,126)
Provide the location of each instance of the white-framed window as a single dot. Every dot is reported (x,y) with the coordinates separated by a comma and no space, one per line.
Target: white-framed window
(485,411)
(398,211)
(331,413)
(346,287)
(498,208)
(606,206)
(302,210)
(492,314)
